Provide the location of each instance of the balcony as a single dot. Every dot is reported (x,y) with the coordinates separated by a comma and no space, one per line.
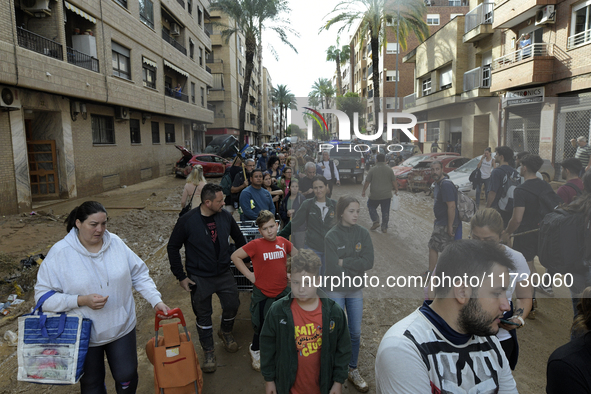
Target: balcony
(370,94)
(181,3)
(477,83)
(478,22)
(177,95)
(210,107)
(528,66)
(513,12)
(208,69)
(36,43)
(173,42)
(409,101)
(83,60)
(216,39)
(579,39)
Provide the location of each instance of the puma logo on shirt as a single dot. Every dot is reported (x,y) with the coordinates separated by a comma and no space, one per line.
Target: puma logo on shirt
(273,255)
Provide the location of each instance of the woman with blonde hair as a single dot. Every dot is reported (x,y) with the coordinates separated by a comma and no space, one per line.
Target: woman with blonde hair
(193,187)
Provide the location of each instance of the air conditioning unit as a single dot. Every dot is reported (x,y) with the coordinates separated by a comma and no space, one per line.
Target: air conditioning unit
(194,126)
(546,15)
(175,30)
(37,8)
(122,113)
(9,99)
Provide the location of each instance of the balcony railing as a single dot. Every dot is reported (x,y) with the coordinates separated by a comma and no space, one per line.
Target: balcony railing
(145,18)
(212,60)
(208,69)
(579,39)
(481,15)
(177,95)
(370,94)
(210,107)
(540,49)
(173,42)
(477,78)
(83,60)
(409,101)
(35,42)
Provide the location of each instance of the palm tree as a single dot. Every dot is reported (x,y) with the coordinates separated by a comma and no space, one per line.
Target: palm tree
(333,53)
(250,18)
(323,90)
(285,100)
(373,15)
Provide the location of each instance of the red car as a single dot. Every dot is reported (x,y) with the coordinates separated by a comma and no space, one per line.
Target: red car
(419,179)
(403,170)
(213,165)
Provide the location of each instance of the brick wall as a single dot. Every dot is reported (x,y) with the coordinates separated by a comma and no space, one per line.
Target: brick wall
(8,201)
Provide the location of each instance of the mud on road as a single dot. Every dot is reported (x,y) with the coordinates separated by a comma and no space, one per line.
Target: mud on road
(144,215)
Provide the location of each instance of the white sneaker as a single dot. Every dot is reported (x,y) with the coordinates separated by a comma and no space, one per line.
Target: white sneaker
(255,358)
(357,380)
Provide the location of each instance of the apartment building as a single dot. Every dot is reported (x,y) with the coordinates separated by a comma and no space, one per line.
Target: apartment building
(269,129)
(396,77)
(541,68)
(452,99)
(95,94)
(228,63)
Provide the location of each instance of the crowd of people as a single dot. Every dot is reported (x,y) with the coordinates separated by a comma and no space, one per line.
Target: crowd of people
(306,337)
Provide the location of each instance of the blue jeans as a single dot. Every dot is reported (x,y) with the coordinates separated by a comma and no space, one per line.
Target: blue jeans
(485,182)
(372,206)
(352,302)
(321,256)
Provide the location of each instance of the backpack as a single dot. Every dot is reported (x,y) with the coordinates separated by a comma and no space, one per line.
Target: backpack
(226,183)
(510,182)
(548,201)
(465,205)
(560,242)
(475,178)
(574,187)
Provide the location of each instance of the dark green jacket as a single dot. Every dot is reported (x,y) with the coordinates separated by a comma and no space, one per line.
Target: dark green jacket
(255,303)
(279,356)
(316,228)
(353,245)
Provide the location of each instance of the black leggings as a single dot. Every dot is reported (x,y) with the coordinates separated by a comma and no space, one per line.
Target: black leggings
(122,358)
(255,338)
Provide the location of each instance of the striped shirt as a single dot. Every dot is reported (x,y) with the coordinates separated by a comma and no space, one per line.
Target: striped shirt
(583,154)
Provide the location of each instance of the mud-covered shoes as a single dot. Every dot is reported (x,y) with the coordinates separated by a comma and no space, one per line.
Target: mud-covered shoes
(209,364)
(228,340)
(359,383)
(375,226)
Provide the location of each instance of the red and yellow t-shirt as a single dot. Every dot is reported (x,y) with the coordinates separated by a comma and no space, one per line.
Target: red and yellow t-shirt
(308,338)
(269,261)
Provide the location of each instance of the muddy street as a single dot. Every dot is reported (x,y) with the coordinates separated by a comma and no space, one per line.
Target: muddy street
(144,215)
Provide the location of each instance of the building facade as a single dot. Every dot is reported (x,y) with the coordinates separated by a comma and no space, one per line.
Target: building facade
(95,94)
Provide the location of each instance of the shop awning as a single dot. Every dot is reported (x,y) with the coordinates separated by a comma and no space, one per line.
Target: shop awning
(149,62)
(175,68)
(79,12)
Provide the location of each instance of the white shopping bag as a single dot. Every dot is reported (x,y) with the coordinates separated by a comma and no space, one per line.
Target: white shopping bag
(395,203)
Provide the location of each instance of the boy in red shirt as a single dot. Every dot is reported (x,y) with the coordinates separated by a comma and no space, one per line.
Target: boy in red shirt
(305,341)
(269,261)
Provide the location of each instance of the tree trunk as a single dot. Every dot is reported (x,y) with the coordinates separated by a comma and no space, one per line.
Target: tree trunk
(375,58)
(261,84)
(339,76)
(280,119)
(250,43)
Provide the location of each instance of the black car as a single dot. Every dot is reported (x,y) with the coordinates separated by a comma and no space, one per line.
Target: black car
(350,163)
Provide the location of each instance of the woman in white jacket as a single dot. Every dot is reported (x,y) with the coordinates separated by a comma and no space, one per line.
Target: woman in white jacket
(93,272)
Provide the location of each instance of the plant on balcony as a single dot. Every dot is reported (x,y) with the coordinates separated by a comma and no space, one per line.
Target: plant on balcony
(404,16)
(338,55)
(250,18)
(282,97)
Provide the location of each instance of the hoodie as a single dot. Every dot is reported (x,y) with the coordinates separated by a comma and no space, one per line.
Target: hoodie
(71,270)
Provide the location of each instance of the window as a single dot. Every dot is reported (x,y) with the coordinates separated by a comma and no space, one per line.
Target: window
(134,131)
(391,102)
(391,76)
(149,76)
(123,3)
(445,77)
(202,97)
(191,49)
(240,90)
(426,86)
(103,129)
(201,57)
(190,7)
(240,67)
(580,25)
(433,19)
(392,48)
(199,16)
(120,61)
(155,133)
(193,92)
(147,12)
(169,132)
(455,3)
(432,131)
(389,22)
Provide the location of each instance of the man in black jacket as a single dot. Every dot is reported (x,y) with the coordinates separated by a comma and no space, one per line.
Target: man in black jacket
(205,232)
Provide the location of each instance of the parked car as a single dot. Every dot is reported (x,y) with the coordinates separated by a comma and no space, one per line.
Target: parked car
(401,171)
(349,163)
(408,149)
(224,146)
(213,165)
(419,179)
